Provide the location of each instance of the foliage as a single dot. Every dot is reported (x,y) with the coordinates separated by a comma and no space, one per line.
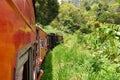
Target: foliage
(92,52)
(85,57)
(119,1)
(46,11)
(106,13)
(67,18)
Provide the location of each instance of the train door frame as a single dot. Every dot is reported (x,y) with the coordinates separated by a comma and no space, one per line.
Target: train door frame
(26,63)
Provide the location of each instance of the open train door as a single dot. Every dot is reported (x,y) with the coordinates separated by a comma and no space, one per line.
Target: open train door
(26,64)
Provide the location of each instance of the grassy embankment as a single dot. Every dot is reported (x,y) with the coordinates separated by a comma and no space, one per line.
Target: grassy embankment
(93,56)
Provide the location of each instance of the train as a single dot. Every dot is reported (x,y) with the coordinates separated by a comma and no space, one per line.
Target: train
(23,44)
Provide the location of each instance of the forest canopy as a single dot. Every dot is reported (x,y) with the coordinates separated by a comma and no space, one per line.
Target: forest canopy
(46,11)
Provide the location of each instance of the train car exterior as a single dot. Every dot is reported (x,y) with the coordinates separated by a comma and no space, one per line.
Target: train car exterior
(17,40)
(23,46)
(59,39)
(54,40)
(42,42)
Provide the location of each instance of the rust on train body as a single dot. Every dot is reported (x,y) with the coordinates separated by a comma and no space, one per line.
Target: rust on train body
(17,35)
(23,46)
(42,42)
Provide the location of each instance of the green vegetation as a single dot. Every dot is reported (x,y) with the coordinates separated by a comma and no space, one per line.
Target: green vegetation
(91,48)
(93,56)
(46,11)
(67,19)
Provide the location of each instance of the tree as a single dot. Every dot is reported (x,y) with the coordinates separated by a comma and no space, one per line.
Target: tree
(69,17)
(46,11)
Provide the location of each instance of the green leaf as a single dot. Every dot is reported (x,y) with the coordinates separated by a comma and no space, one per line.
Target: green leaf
(119,1)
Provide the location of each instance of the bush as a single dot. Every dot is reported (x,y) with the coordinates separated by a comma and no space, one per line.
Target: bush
(67,18)
(77,59)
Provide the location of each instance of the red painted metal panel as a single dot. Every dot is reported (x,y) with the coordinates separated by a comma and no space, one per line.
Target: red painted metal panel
(42,48)
(17,29)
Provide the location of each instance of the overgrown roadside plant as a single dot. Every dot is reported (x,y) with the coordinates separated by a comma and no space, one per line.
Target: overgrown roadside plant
(85,57)
(91,52)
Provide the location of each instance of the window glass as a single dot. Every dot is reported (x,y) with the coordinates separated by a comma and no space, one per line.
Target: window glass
(42,42)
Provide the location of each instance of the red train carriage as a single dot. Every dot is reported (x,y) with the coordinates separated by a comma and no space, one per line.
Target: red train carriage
(42,42)
(54,40)
(17,40)
(22,45)
(42,48)
(59,39)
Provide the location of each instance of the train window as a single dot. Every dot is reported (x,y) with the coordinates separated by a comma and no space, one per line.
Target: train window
(46,42)
(42,42)
(37,34)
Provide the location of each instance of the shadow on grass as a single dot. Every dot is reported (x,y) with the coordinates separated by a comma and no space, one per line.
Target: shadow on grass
(47,67)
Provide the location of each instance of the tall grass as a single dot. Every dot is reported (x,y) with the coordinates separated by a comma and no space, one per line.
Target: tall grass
(92,56)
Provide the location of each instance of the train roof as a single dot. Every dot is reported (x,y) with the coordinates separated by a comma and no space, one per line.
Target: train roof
(38,27)
(50,30)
